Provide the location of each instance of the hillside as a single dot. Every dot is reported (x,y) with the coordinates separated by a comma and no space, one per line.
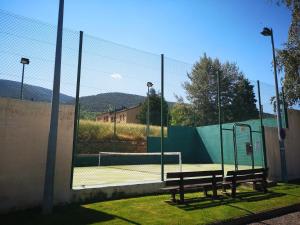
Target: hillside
(93,103)
(102,102)
(11,89)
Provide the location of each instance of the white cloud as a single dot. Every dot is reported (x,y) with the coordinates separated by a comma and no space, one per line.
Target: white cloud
(116,76)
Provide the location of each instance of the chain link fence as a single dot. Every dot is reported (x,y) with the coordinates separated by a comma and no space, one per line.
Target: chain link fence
(121,95)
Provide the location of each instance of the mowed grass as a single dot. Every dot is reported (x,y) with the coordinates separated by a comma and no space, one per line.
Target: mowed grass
(96,131)
(158,210)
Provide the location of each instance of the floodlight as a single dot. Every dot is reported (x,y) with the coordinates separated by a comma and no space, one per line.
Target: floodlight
(24,61)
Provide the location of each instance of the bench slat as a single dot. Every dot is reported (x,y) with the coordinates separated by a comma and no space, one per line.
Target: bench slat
(191,186)
(194,174)
(244,172)
(245,177)
(193,181)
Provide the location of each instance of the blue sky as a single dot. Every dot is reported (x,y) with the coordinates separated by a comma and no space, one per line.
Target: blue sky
(181,29)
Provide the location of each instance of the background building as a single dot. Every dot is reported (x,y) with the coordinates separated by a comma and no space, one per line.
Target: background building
(125,115)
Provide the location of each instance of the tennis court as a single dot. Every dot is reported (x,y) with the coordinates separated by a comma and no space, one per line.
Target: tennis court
(97,176)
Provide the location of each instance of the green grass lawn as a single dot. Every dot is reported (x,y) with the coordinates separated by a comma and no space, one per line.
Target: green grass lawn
(158,210)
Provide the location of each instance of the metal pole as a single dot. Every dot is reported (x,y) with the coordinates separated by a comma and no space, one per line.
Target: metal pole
(180,162)
(22,82)
(148,113)
(162,118)
(52,140)
(76,113)
(235,149)
(115,122)
(220,123)
(262,126)
(279,122)
(286,119)
(251,143)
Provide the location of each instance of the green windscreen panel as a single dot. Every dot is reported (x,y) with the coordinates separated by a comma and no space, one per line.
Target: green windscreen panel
(202,144)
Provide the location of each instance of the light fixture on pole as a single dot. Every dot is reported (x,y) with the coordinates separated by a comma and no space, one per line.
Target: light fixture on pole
(281,132)
(24,61)
(149,85)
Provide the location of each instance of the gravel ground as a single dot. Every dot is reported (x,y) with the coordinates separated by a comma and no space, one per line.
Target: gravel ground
(290,219)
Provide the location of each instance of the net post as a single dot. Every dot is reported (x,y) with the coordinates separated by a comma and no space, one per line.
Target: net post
(180,161)
(76,113)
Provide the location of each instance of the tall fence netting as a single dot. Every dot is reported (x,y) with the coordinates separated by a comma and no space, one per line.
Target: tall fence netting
(118,136)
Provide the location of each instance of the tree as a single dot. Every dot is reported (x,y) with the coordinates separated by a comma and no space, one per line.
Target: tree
(182,113)
(237,96)
(243,105)
(288,59)
(155,109)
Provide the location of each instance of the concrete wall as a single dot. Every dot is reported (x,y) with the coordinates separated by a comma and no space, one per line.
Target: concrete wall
(24,129)
(292,147)
(116,192)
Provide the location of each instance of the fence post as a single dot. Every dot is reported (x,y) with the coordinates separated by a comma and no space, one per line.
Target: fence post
(161,118)
(286,118)
(220,123)
(262,126)
(76,113)
(52,140)
(115,123)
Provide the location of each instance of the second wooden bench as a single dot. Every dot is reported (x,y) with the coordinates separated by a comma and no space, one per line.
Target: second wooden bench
(182,182)
(234,178)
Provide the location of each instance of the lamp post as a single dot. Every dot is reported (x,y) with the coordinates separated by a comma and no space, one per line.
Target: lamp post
(24,61)
(281,133)
(149,85)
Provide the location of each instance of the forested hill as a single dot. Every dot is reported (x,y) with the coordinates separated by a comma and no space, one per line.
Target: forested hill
(105,101)
(12,89)
(94,103)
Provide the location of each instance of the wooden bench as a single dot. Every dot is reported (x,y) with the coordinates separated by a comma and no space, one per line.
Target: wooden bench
(181,182)
(234,178)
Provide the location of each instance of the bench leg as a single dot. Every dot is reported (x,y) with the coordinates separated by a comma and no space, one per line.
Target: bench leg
(233,191)
(173,194)
(224,188)
(205,192)
(181,196)
(264,186)
(215,193)
(254,186)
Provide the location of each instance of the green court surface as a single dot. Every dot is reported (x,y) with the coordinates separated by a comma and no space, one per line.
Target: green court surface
(133,174)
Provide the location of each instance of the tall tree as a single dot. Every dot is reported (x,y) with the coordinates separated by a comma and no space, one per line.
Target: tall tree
(237,96)
(288,59)
(243,104)
(155,109)
(182,113)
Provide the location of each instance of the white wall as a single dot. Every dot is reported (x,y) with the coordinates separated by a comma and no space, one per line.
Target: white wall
(24,129)
(292,148)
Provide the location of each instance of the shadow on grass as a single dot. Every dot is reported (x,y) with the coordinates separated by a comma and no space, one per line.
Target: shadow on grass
(295,181)
(204,202)
(73,214)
